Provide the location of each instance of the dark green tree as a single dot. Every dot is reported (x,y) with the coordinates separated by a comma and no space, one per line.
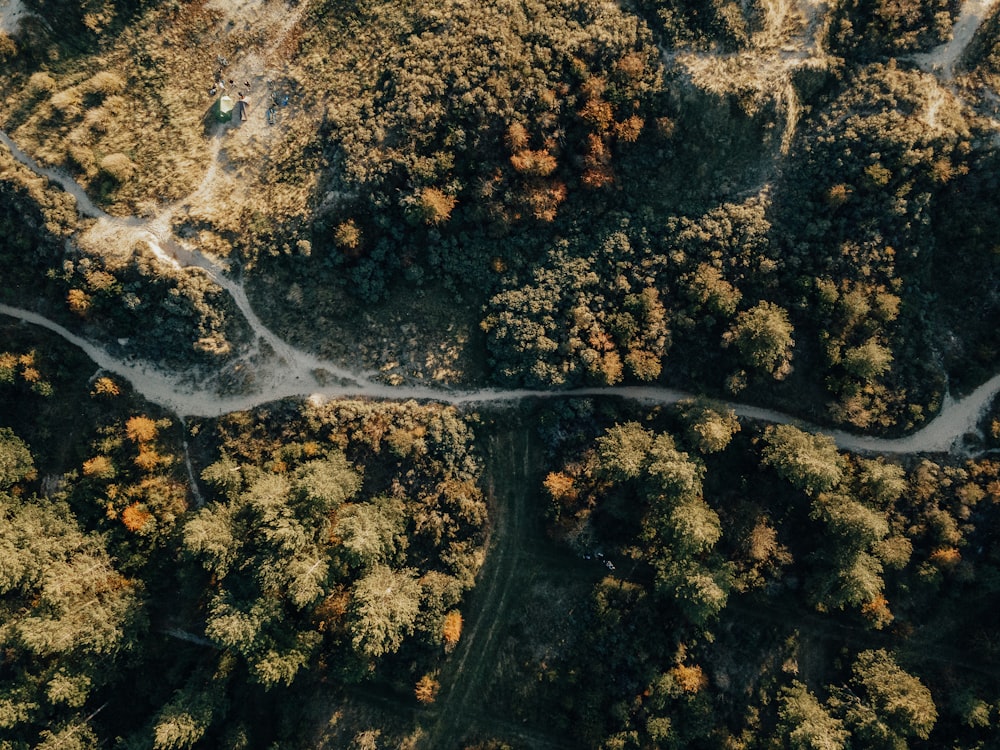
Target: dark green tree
(763,336)
(810,462)
(805,724)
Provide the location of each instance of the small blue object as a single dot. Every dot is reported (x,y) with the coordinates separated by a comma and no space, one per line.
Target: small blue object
(284,100)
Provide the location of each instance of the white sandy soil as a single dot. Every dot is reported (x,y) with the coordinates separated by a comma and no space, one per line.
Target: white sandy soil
(11,13)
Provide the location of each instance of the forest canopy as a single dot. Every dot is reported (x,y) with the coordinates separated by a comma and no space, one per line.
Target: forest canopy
(786,208)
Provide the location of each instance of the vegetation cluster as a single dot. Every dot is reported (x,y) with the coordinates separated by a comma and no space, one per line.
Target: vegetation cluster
(586,184)
(766,199)
(332,545)
(767,589)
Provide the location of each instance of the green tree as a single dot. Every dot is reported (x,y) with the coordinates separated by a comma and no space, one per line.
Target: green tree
(183,721)
(16,462)
(68,622)
(266,546)
(324,484)
(881,483)
(888,705)
(224,475)
(848,568)
(372,533)
(763,336)
(701,591)
(805,724)
(710,428)
(710,290)
(853,523)
(623,450)
(73,735)
(810,462)
(672,471)
(385,607)
(867,361)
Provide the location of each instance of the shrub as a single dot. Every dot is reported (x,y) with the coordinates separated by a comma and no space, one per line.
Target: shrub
(433,206)
(8,49)
(83,158)
(104,84)
(427,689)
(66,104)
(629,129)
(451,630)
(41,83)
(98,467)
(140,429)
(534,163)
(78,301)
(105,386)
(118,167)
(135,517)
(348,235)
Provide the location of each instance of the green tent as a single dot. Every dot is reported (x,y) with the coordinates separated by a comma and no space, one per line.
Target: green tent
(225,108)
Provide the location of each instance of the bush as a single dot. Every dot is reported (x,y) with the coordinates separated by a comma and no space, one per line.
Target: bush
(41,83)
(66,104)
(432,206)
(118,167)
(104,84)
(8,49)
(347,236)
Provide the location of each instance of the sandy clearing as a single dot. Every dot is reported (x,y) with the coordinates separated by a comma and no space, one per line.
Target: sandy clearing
(11,13)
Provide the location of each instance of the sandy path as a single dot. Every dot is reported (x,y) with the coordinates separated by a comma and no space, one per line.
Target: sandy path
(84,205)
(942,59)
(940,435)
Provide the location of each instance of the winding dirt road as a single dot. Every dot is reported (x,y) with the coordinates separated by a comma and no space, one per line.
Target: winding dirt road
(956,418)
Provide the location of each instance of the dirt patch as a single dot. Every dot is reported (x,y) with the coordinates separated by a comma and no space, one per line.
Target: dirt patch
(11,13)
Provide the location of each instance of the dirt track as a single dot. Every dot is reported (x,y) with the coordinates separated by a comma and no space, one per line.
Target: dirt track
(511,478)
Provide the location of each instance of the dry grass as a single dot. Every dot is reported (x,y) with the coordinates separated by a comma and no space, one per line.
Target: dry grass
(140,114)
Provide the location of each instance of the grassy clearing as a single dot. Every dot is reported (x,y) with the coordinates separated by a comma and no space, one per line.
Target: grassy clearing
(132,118)
(139,97)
